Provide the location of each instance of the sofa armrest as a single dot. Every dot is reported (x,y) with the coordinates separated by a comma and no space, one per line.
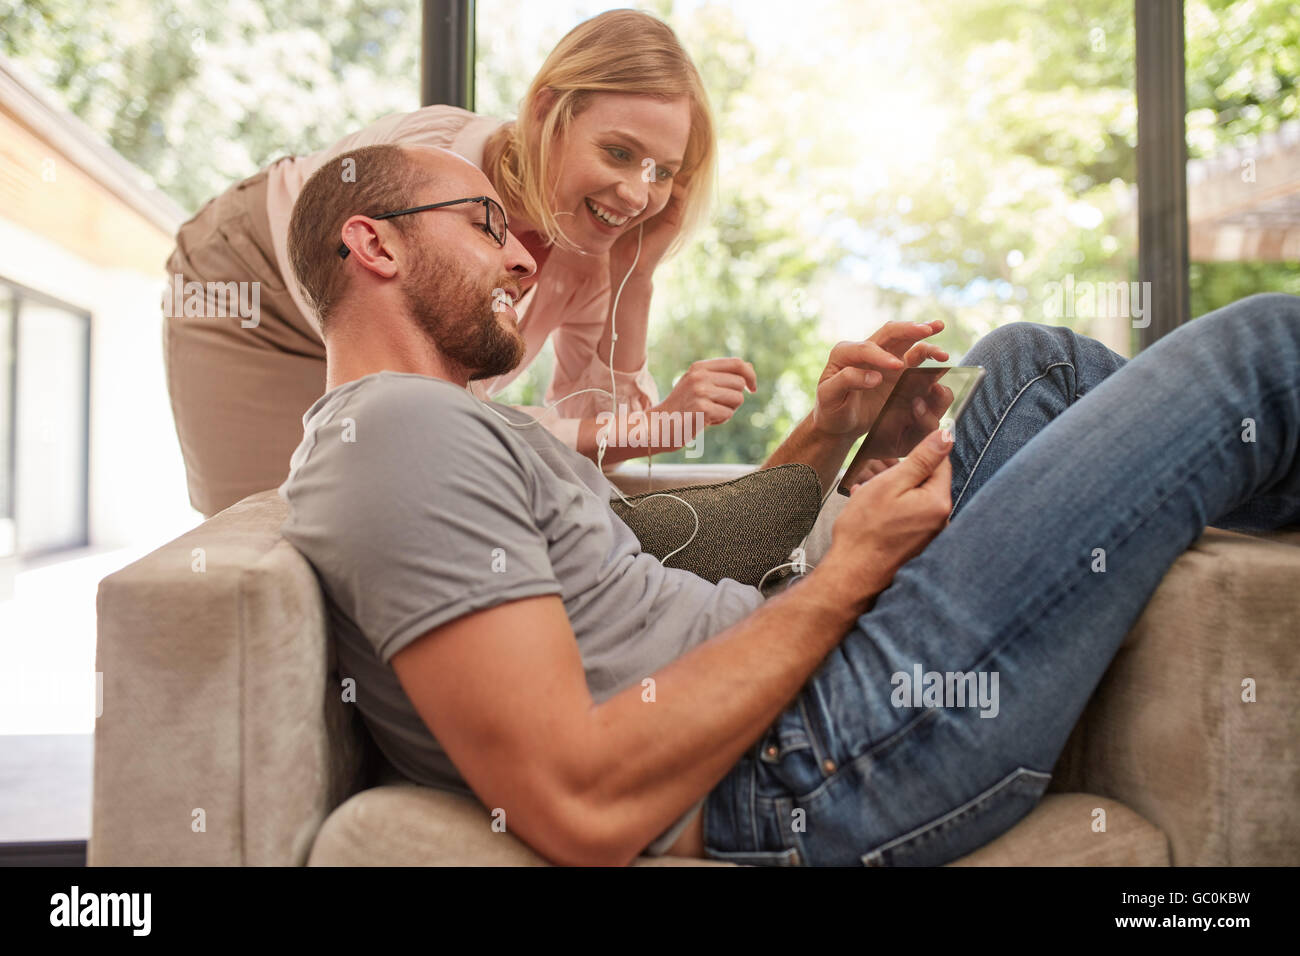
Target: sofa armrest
(1168,732)
(219,696)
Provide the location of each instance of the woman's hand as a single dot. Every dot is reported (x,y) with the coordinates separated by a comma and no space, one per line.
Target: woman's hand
(713,387)
(860,375)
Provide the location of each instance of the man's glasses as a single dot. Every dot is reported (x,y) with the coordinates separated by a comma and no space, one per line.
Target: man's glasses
(495,225)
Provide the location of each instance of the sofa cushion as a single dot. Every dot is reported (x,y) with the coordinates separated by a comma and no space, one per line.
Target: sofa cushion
(408,825)
(1059,832)
(747,525)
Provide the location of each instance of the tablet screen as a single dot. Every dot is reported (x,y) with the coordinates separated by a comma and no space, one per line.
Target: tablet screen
(896,431)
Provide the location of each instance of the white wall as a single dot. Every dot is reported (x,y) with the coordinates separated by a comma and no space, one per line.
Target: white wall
(137,492)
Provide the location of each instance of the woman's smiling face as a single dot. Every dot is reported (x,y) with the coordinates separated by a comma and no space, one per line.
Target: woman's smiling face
(614,167)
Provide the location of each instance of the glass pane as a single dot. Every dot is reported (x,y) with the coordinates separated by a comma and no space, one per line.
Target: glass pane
(1243,147)
(7,542)
(969,160)
(46,607)
(200,95)
(50,483)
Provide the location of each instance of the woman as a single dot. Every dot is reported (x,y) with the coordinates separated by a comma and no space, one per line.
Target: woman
(609,165)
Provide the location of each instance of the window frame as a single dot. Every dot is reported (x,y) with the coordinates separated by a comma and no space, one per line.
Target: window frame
(1162,165)
(20,294)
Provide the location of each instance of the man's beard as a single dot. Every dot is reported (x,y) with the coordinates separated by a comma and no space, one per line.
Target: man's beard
(457,318)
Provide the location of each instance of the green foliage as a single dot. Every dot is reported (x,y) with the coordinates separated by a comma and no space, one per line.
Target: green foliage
(1243,65)
(1216,284)
(200,94)
(1040,142)
(741,292)
(939,159)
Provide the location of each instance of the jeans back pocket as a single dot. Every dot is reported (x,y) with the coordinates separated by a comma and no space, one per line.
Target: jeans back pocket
(968,827)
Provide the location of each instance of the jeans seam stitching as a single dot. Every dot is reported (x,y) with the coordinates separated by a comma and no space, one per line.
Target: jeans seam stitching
(820,753)
(1061,588)
(958,812)
(996,428)
(927,714)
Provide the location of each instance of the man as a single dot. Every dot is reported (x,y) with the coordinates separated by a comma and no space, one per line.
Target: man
(509,638)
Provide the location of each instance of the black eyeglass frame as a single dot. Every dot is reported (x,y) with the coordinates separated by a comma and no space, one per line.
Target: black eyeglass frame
(488,202)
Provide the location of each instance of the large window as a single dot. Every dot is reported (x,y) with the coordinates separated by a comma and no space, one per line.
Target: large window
(971,161)
(8,537)
(44,419)
(46,650)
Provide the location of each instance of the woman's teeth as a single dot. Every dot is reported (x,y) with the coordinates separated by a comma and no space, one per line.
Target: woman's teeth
(605,215)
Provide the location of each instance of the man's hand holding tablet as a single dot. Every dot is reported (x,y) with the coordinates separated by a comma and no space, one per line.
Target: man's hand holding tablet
(923,399)
(860,375)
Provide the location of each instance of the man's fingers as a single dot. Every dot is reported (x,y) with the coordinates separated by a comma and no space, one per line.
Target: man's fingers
(940,482)
(844,381)
(928,410)
(864,353)
(940,397)
(921,462)
(900,335)
(874,467)
(925,417)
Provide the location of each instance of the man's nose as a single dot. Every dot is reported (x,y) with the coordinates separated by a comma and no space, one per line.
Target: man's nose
(518,260)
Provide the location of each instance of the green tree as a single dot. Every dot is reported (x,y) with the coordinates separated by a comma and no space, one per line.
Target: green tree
(939,159)
(200,94)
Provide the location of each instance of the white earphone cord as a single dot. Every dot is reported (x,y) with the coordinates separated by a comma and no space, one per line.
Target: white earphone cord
(799,565)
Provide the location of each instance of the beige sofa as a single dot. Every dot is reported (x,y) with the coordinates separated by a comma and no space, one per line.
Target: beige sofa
(224,739)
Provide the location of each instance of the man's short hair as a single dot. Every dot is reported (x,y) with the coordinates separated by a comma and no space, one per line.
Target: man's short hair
(368,181)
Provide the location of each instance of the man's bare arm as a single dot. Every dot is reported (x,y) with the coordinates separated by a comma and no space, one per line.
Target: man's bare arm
(652,760)
(824,453)
(712,703)
(504,692)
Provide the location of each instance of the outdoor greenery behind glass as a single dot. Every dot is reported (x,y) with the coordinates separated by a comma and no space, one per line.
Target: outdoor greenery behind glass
(959,155)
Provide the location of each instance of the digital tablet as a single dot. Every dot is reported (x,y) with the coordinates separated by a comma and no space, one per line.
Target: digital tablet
(898,428)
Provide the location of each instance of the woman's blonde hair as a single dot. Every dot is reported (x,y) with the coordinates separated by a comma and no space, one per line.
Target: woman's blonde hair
(620,51)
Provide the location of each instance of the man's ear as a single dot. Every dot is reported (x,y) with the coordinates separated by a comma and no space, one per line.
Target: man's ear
(367,247)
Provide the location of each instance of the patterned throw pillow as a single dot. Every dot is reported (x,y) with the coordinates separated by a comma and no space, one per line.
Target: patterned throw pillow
(748,525)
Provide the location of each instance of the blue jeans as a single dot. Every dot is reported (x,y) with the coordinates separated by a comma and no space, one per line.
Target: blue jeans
(1078,479)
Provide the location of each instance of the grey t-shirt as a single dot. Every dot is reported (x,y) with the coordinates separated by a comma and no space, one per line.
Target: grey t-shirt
(416,505)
